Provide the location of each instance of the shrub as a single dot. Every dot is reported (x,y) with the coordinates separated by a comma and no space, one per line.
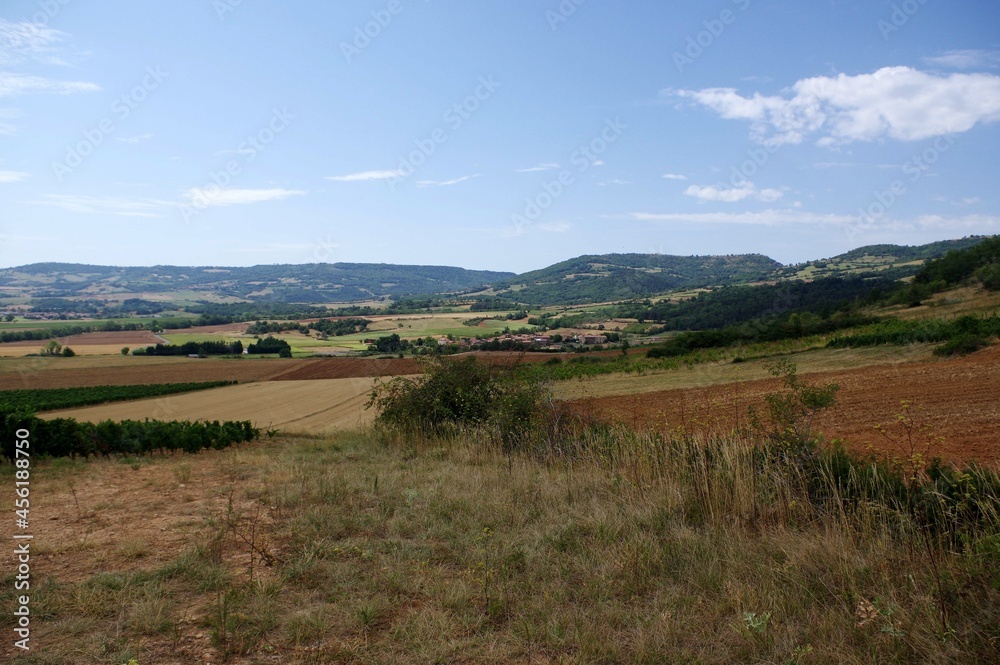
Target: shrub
(456,394)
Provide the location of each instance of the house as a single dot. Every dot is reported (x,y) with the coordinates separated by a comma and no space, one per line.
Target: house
(595,339)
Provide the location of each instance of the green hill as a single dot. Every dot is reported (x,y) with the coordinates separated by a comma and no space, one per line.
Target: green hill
(606,277)
(310,283)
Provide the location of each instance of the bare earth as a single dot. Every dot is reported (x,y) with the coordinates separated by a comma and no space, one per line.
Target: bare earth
(959,399)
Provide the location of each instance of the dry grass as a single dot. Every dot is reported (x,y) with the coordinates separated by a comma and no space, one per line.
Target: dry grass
(357,549)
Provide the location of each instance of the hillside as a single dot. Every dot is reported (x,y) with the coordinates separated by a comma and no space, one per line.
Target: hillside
(605,277)
(311,283)
(894,261)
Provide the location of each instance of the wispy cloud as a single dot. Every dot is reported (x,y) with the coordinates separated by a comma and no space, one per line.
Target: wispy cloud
(555,227)
(106,205)
(215,196)
(367,175)
(446,183)
(14,85)
(674,176)
(985,224)
(763,218)
(538,167)
(895,102)
(12,176)
(966,59)
(746,190)
(614,181)
(25,41)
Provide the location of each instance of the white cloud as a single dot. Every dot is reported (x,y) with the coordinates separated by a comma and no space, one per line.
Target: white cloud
(555,227)
(368,175)
(615,181)
(446,183)
(217,196)
(540,167)
(966,59)
(896,102)
(26,41)
(12,176)
(763,218)
(733,194)
(12,85)
(972,224)
(674,176)
(106,205)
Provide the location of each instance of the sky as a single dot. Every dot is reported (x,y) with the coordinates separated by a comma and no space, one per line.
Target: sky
(492,135)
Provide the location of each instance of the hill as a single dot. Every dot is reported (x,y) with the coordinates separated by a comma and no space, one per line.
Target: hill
(606,277)
(311,283)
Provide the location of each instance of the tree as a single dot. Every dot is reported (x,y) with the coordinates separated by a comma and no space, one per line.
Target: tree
(8,318)
(68,352)
(53,348)
(125,350)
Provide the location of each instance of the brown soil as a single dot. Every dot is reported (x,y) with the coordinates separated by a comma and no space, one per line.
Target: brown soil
(124,338)
(957,398)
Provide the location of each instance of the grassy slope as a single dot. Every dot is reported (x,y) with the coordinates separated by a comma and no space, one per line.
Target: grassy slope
(349,550)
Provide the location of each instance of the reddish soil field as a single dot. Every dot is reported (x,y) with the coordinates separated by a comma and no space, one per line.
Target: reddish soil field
(234,328)
(348,368)
(959,399)
(51,375)
(125,338)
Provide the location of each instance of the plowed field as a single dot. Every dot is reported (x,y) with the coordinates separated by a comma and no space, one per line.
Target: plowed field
(959,399)
(294,406)
(67,372)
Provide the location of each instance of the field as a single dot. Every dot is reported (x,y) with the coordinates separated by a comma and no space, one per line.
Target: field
(28,373)
(352,549)
(312,406)
(956,398)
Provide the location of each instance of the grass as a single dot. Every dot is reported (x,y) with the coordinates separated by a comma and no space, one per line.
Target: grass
(369,548)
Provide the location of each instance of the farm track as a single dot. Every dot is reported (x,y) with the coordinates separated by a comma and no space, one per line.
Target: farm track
(958,398)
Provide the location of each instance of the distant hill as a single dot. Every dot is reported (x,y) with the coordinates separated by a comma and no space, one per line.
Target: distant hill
(886,260)
(584,279)
(311,283)
(605,277)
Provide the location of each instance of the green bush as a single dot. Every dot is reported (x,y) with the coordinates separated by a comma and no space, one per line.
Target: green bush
(456,394)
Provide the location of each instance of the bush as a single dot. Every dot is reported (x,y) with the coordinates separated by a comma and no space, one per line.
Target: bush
(452,395)
(964,344)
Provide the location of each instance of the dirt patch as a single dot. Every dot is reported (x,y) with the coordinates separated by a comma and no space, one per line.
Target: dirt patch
(956,398)
(133,338)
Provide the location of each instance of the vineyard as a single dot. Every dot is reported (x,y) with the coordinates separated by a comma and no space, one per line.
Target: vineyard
(52,399)
(65,437)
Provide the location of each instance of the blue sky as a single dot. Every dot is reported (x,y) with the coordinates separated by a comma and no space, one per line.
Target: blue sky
(492,135)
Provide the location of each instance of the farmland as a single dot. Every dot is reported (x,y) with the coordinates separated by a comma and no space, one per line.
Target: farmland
(311,406)
(64,398)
